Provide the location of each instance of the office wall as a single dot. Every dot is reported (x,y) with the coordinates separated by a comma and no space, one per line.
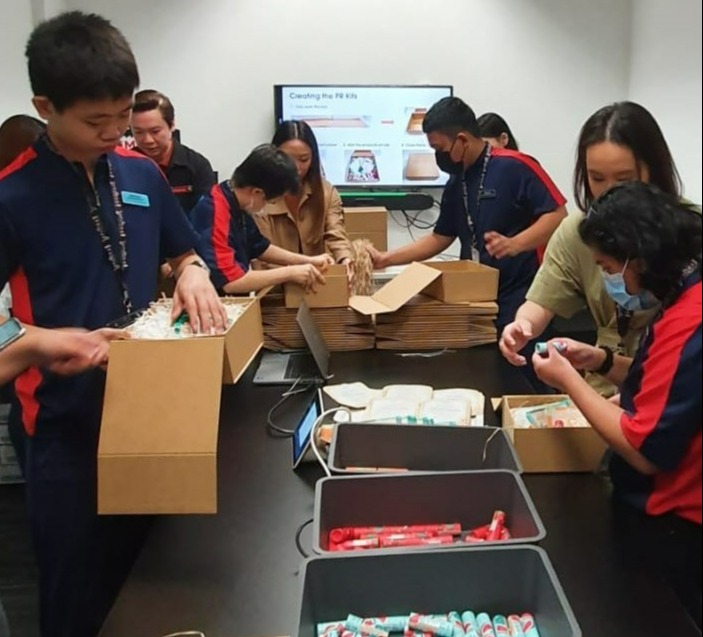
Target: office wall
(666,78)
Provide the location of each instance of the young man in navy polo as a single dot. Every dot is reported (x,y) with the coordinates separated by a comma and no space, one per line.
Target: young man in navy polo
(499,203)
(231,239)
(82,226)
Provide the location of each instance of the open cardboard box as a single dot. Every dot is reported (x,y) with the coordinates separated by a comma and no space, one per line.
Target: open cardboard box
(566,450)
(335,292)
(158,439)
(397,292)
(463,281)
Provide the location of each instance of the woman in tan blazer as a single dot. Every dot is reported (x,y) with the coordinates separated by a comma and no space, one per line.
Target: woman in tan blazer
(312,221)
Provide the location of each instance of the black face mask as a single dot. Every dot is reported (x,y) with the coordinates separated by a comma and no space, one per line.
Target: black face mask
(445,162)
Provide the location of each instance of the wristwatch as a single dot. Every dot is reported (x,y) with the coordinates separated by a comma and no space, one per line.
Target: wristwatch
(199,263)
(10,331)
(608,362)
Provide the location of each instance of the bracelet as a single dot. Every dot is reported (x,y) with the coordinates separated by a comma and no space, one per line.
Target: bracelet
(609,361)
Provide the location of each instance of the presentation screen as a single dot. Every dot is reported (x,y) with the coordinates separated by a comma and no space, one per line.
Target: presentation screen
(369,136)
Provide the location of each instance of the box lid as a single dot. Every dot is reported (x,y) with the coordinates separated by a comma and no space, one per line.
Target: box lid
(392,296)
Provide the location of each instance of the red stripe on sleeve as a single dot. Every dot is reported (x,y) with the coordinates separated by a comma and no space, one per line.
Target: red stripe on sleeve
(536,169)
(671,333)
(27,383)
(18,162)
(225,257)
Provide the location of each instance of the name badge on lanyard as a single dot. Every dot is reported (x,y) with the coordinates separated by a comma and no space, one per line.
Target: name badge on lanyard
(134,199)
(475,253)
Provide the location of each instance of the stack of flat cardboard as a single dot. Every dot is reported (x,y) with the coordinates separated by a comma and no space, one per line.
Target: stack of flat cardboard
(424,323)
(342,328)
(433,306)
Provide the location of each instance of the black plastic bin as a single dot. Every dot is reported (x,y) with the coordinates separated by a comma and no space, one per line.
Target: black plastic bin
(420,448)
(466,497)
(500,580)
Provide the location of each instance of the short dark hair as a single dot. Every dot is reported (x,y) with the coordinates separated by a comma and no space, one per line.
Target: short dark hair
(77,56)
(493,125)
(632,126)
(17,133)
(300,130)
(639,221)
(149,100)
(267,168)
(451,116)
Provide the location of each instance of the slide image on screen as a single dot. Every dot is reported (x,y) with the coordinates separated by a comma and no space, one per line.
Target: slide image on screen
(369,136)
(362,167)
(420,167)
(336,122)
(415,118)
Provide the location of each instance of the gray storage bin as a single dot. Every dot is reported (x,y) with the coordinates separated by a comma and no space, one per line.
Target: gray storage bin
(466,497)
(421,448)
(500,580)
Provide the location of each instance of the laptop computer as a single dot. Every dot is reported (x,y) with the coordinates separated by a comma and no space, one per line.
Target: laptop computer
(304,367)
(302,441)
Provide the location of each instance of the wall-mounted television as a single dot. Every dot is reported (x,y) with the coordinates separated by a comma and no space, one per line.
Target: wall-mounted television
(369,136)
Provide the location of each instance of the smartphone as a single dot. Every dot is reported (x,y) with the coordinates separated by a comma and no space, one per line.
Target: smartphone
(10,331)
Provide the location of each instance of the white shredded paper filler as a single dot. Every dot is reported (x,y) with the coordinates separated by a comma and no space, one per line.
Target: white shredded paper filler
(156,324)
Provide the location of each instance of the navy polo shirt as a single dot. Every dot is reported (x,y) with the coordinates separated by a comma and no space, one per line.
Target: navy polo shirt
(663,419)
(229,236)
(59,274)
(517,191)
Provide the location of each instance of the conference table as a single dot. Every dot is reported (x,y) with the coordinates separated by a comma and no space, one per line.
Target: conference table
(236,573)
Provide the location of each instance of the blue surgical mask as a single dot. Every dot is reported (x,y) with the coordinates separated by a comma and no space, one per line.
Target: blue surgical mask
(616,288)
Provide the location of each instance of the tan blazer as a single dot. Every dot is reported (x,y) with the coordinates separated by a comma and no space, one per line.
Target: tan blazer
(308,232)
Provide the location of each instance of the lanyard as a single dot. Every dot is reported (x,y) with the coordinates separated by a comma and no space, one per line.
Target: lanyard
(119,267)
(118,261)
(624,319)
(465,193)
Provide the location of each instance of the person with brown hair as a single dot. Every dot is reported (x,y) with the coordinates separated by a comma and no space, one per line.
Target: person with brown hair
(310,222)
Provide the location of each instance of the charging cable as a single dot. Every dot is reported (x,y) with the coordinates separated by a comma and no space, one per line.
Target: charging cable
(313,435)
(274,429)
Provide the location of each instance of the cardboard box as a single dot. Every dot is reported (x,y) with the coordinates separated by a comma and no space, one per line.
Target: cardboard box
(378,239)
(463,281)
(392,296)
(335,292)
(158,441)
(566,450)
(368,223)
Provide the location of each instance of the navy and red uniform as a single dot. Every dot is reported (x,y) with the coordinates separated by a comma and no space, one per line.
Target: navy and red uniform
(60,276)
(190,174)
(516,192)
(230,239)
(663,420)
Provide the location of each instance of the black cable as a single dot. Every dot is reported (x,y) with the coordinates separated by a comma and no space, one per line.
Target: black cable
(298,533)
(275,430)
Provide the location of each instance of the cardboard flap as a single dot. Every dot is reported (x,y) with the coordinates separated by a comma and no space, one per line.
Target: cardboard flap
(396,293)
(368,306)
(162,397)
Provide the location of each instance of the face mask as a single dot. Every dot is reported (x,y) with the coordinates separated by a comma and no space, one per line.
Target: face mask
(616,288)
(251,211)
(445,162)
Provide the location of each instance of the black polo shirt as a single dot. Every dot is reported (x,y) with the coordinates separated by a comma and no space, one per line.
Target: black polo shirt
(190,175)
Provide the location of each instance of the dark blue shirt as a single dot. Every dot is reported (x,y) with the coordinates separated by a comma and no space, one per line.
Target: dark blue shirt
(229,237)
(516,192)
(663,416)
(59,273)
